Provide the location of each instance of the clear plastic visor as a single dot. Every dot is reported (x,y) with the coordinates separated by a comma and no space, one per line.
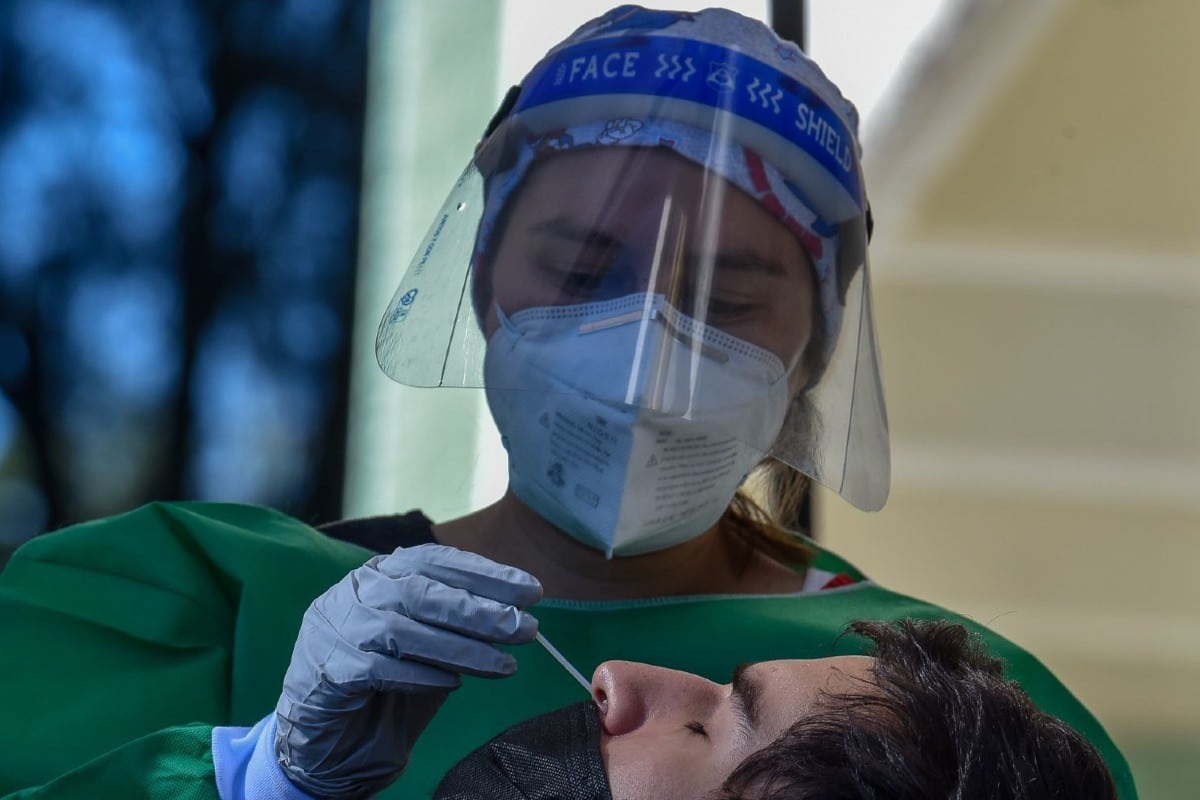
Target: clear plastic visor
(641,280)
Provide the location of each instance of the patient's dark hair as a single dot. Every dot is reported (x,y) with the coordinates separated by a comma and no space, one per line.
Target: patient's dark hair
(939,720)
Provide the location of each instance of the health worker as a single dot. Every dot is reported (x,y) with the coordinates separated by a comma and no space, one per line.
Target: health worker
(655,267)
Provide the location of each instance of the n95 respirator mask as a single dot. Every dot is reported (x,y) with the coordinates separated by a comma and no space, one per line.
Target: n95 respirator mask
(627,424)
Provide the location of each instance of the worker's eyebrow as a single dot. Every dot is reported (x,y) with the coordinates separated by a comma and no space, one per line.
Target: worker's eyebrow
(748,261)
(564,228)
(745,696)
(738,261)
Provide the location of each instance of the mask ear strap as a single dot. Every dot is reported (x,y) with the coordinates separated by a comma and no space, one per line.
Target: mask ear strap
(502,319)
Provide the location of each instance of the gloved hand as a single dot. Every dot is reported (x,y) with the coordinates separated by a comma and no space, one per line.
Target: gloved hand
(379,652)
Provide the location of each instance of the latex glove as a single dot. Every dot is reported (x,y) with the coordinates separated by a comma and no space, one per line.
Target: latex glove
(379,652)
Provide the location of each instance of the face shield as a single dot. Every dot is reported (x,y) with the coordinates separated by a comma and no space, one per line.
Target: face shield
(674,228)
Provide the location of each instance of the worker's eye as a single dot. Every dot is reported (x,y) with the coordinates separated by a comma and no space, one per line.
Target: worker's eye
(697,728)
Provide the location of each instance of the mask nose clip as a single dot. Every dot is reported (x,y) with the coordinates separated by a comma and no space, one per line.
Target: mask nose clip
(656,314)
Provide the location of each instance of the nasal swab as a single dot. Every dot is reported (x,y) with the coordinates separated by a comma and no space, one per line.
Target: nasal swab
(560,658)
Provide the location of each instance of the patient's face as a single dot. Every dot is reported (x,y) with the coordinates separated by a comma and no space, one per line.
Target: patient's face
(670,734)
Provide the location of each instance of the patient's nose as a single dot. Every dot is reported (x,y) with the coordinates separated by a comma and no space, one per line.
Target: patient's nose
(629,695)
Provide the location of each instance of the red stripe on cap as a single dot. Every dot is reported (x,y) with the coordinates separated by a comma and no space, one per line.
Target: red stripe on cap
(812,243)
(758,175)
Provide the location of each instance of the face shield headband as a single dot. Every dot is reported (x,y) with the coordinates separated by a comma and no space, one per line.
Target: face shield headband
(759,90)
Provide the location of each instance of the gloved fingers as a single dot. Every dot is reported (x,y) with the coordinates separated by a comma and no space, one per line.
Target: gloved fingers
(384,672)
(427,600)
(463,570)
(405,675)
(347,684)
(373,630)
(469,657)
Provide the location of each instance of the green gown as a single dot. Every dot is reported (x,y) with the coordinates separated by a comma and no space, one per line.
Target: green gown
(123,641)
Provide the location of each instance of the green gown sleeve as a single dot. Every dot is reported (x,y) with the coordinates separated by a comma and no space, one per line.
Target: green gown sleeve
(174,763)
(117,630)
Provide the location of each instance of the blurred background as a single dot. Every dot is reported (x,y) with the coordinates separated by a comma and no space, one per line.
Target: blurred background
(206,204)
(179,205)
